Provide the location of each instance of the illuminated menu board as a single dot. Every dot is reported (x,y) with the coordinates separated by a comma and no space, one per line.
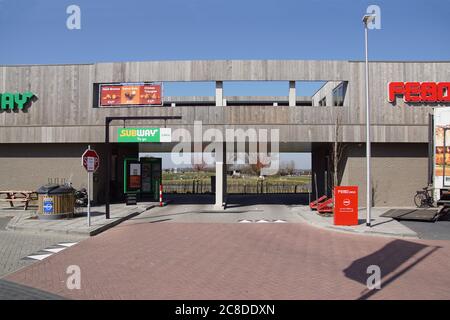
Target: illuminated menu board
(130,94)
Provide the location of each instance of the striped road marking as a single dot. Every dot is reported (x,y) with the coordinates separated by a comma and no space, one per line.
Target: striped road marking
(47,252)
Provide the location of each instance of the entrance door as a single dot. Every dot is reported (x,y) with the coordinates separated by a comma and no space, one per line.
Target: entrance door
(151,169)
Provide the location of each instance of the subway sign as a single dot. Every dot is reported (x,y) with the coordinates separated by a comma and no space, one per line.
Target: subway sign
(417,92)
(11,101)
(143,135)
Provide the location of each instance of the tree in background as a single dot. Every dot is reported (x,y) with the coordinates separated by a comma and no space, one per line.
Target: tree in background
(338,149)
(259,165)
(290,167)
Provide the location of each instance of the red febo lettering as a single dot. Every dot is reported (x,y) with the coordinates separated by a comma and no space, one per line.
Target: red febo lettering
(443,91)
(428,92)
(395,88)
(412,92)
(420,91)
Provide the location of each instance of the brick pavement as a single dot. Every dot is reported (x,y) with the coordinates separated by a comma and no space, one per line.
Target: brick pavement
(242,261)
(16,245)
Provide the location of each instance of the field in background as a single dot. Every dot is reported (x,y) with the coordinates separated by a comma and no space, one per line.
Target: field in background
(200,182)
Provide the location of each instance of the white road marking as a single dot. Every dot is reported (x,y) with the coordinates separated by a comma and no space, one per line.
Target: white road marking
(55,250)
(67,244)
(40,256)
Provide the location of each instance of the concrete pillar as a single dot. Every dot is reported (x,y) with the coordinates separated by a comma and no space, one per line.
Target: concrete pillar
(219,94)
(319,167)
(292,94)
(221,178)
(221,184)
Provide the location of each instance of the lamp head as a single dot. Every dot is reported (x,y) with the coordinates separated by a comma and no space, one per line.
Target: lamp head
(368,18)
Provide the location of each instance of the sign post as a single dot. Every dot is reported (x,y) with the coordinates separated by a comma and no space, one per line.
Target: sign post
(90,161)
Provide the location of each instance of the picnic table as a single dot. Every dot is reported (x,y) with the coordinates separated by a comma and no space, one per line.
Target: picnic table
(18,196)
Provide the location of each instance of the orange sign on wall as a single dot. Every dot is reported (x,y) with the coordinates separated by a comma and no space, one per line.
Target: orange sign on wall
(139,94)
(346,205)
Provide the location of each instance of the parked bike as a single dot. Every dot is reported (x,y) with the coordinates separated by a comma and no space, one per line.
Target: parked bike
(81,198)
(424,198)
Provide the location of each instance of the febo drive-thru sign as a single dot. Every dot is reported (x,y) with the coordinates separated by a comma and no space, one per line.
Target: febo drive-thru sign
(90,160)
(420,91)
(346,205)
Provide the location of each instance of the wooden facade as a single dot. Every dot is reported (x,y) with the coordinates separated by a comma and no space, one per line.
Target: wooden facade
(64,112)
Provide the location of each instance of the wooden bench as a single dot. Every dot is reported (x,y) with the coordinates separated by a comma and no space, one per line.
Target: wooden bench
(18,196)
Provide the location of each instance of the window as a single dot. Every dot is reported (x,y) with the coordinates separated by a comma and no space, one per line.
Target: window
(323,102)
(339,94)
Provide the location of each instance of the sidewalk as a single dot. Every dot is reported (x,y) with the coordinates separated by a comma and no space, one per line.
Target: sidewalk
(380,225)
(27,220)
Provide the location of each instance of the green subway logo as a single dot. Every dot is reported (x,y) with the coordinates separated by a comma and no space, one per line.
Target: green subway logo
(11,101)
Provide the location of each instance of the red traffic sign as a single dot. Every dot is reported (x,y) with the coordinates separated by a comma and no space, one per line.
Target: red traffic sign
(90,160)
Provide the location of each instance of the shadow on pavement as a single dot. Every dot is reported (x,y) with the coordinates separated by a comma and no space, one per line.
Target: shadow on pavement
(15,291)
(240,200)
(84,213)
(189,198)
(388,259)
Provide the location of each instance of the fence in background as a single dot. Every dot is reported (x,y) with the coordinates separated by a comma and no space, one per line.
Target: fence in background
(258,187)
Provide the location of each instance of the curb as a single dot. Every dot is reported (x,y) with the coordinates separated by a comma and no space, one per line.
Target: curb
(77,232)
(352,231)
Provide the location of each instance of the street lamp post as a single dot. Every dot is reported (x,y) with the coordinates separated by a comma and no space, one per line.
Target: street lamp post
(368,18)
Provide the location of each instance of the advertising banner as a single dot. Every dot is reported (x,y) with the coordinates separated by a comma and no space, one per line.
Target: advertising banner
(346,205)
(441,148)
(144,135)
(135,176)
(138,94)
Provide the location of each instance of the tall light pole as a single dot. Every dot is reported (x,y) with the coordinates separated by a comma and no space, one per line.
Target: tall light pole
(368,18)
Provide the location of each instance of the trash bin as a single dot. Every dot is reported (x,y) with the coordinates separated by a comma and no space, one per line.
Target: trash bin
(55,202)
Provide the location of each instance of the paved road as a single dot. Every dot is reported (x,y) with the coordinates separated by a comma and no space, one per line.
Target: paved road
(15,246)
(145,259)
(14,291)
(439,230)
(182,210)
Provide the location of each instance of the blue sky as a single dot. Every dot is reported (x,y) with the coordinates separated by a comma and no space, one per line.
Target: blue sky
(34,32)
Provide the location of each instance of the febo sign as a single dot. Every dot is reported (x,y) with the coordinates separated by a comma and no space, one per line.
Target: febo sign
(420,91)
(346,205)
(90,160)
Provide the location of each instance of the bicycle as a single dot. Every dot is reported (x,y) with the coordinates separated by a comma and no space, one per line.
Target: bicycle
(424,198)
